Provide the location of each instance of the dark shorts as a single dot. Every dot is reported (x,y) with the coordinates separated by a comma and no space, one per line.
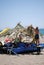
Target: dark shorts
(36,36)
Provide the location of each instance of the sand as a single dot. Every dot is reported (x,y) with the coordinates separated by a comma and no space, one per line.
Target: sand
(26,59)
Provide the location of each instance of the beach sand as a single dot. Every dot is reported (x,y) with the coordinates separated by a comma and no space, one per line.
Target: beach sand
(26,59)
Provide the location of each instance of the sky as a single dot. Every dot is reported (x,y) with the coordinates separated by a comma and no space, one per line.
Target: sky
(26,12)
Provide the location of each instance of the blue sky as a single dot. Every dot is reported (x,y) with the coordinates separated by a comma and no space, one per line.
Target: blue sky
(27,11)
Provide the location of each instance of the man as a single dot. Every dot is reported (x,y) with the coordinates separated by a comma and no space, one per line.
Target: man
(37,35)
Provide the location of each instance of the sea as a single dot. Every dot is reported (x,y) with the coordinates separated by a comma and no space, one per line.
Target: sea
(41,31)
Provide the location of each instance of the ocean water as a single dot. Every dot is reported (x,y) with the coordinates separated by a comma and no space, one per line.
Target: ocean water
(41,31)
(0,30)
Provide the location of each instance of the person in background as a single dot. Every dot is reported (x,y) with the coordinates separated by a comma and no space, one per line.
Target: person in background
(37,35)
(30,30)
